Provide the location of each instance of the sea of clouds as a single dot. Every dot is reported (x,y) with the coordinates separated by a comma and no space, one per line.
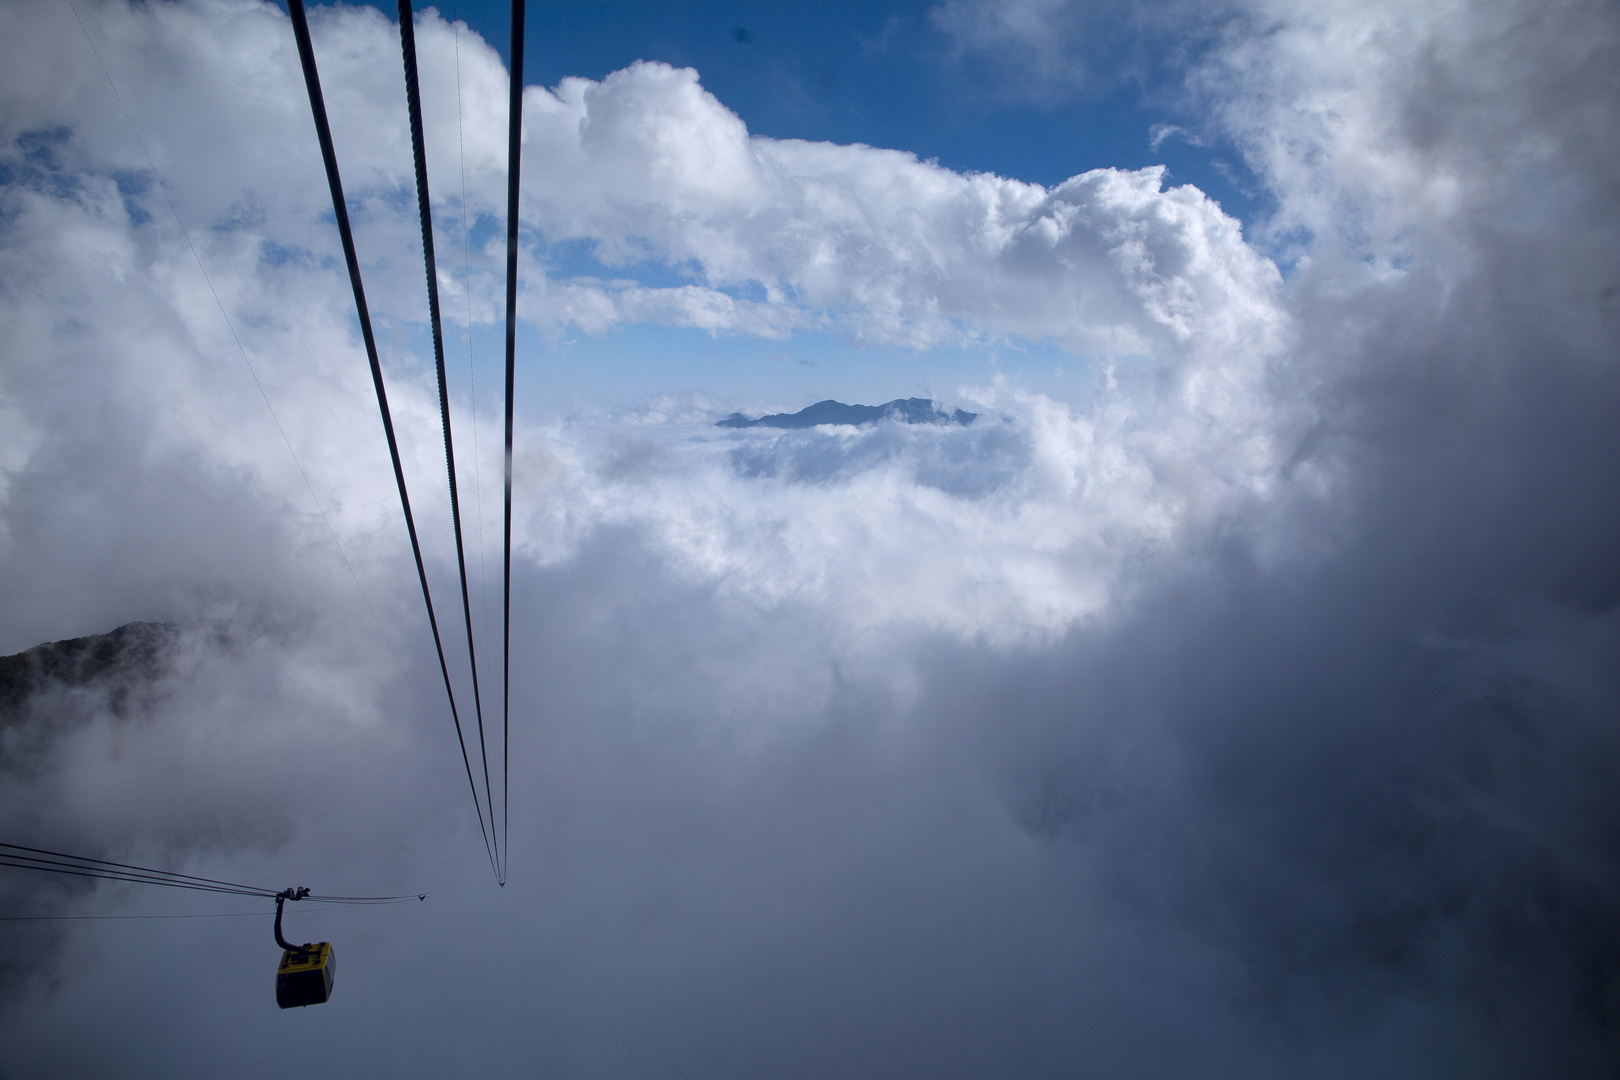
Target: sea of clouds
(1254,714)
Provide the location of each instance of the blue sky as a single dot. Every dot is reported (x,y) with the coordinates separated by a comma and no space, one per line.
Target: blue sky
(887,76)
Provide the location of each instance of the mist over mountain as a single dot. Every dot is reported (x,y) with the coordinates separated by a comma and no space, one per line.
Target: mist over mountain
(903,410)
(48,695)
(1235,696)
(120,660)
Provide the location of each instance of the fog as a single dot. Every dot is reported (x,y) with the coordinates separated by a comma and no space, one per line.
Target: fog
(1252,712)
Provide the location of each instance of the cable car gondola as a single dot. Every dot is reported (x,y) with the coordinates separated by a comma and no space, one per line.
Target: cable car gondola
(305,974)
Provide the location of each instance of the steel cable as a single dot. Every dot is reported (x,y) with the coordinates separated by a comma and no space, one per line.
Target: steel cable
(413,99)
(20,857)
(314,499)
(514,153)
(317,105)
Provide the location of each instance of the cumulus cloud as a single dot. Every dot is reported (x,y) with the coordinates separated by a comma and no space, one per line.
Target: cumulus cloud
(1251,715)
(646,165)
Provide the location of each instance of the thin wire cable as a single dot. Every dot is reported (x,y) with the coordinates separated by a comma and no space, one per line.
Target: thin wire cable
(157,182)
(242,350)
(22,857)
(29,852)
(317,105)
(654,1043)
(76,870)
(73,870)
(472,383)
(472,368)
(624,1044)
(81,918)
(413,98)
(364,900)
(514,153)
(189,915)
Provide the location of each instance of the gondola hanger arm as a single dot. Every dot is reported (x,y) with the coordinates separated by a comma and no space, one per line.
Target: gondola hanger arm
(281,898)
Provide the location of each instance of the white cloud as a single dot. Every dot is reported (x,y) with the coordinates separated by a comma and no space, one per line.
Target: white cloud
(647,166)
(1041,51)
(1269,690)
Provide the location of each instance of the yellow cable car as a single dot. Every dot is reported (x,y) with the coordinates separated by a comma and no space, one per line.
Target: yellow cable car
(305,977)
(306,972)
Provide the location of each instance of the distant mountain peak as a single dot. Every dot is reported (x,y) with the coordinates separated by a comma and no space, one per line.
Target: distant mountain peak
(906,410)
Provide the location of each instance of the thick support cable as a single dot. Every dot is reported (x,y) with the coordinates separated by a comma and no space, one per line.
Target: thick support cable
(317,105)
(413,98)
(514,153)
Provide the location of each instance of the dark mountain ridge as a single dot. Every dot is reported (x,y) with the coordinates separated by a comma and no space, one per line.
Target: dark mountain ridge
(134,653)
(905,410)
